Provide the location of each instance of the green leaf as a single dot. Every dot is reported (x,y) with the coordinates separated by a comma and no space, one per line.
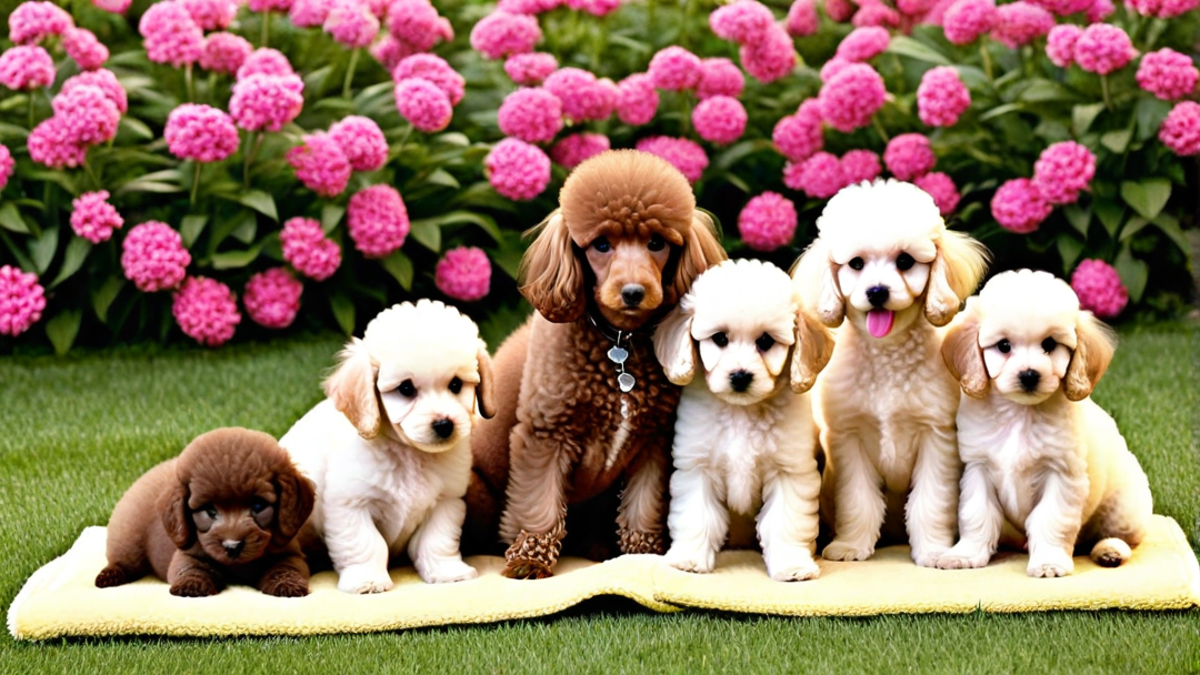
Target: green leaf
(315,81)
(331,215)
(42,249)
(103,297)
(635,46)
(1110,213)
(343,312)
(1001,110)
(260,201)
(1147,197)
(1118,140)
(443,177)
(737,152)
(23,260)
(246,231)
(455,138)
(1170,226)
(1047,91)
(10,218)
(12,132)
(136,127)
(77,252)
(1069,249)
(400,267)
(229,260)
(1083,115)
(141,185)
(485,223)
(62,330)
(1079,218)
(1150,112)
(1136,224)
(190,228)
(427,234)
(1133,273)
(906,46)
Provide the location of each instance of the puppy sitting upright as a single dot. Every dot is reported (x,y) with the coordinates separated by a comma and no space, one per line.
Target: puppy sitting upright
(1039,453)
(742,440)
(390,449)
(226,510)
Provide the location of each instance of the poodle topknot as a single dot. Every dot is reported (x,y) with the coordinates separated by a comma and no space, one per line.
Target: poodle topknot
(899,213)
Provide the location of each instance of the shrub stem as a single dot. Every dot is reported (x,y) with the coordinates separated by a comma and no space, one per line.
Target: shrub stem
(350,73)
(266,28)
(987,63)
(31,110)
(195,182)
(187,81)
(879,129)
(87,168)
(253,143)
(1104,89)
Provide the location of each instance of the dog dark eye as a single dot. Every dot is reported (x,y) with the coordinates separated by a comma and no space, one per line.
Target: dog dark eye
(1049,344)
(764,342)
(602,245)
(258,505)
(407,389)
(856,263)
(1004,346)
(720,339)
(455,386)
(210,511)
(904,262)
(657,243)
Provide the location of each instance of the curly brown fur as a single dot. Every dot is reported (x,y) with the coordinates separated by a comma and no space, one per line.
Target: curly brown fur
(620,252)
(227,510)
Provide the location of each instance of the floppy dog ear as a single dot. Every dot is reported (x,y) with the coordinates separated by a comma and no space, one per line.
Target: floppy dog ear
(172,505)
(964,359)
(351,387)
(485,391)
(811,353)
(957,269)
(701,250)
(674,347)
(815,275)
(550,274)
(1095,344)
(296,497)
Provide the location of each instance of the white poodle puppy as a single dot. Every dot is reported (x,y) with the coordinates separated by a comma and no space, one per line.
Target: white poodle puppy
(389,448)
(743,441)
(1040,455)
(884,260)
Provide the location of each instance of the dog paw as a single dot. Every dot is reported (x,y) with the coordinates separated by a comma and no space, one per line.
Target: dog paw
(800,570)
(963,559)
(928,556)
(361,581)
(448,573)
(285,586)
(1050,566)
(1111,552)
(699,562)
(839,550)
(194,586)
(524,568)
(111,576)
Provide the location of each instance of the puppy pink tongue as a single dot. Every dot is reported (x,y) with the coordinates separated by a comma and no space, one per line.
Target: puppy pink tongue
(879,322)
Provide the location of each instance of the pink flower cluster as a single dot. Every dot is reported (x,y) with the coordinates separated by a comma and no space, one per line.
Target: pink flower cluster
(530,69)
(26,67)
(802,19)
(1167,74)
(93,218)
(309,13)
(583,96)
(415,26)
(770,58)
(1062,171)
(571,151)
(767,222)
(1065,7)
(1021,22)
(200,132)
(377,220)
(766,48)
(320,164)
(435,69)
(423,104)
(502,34)
(943,190)
(719,119)
(637,99)
(262,102)
(105,81)
(82,45)
(361,141)
(153,256)
(799,135)
(517,170)
(819,176)
(265,61)
(675,68)
(225,53)
(1180,131)
(531,114)
(1019,207)
(84,115)
(1162,9)
(6,165)
(682,153)
(32,22)
(464,273)
(22,300)
(864,44)
(875,13)
(719,77)
(114,6)
(170,35)
(942,97)
(1103,48)
(211,14)
(859,166)
(307,250)
(850,98)
(1099,288)
(206,311)
(966,20)
(741,21)
(272,298)
(351,23)
(1060,44)
(909,156)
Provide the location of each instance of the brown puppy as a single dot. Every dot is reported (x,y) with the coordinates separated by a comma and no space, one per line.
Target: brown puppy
(226,510)
(593,412)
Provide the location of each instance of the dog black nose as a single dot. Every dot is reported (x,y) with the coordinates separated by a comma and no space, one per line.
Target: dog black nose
(233,548)
(1029,379)
(633,294)
(740,380)
(877,296)
(443,428)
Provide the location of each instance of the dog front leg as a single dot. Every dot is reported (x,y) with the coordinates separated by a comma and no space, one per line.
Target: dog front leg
(193,577)
(434,547)
(980,520)
(788,522)
(286,578)
(535,511)
(858,501)
(931,511)
(698,521)
(1053,525)
(357,550)
(640,515)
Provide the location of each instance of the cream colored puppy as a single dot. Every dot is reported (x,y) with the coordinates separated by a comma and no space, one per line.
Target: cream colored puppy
(1039,453)
(885,262)
(389,448)
(744,441)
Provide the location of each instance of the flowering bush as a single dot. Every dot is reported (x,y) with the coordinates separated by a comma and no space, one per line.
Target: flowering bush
(166,167)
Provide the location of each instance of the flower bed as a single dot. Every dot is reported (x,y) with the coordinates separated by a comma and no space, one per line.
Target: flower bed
(167,168)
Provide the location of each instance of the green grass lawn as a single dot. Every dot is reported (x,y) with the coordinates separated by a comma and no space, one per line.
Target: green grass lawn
(75,432)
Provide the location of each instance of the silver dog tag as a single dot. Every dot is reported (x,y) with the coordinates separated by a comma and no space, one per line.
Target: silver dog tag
(617,355)
(625,381)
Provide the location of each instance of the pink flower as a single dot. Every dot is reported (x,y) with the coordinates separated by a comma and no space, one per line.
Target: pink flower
(800,135)
(840,11)
(1065,7)
(719,119)
(530,69)
(93,218)
(1099,288)
(114,6)
(433,68)
(31,22)
(206,311)
(225,53)
(272,298)
(51,144)
(1103,48)
(941,187)
(423,104)
(320,164)
(388,51)
(819,176)
(583,96)
(309,13)
(909,156)
(105,81)
(26,67)
(170,35)
(377,220)
(1102,9)
(416,24)
(1019,23)
(266,102)
(211,14)
(265,61)
(770,58)
(6,165)
(1019,207)
(742,21)
(153,256)
(682,153)
(361,141)
(531,114)
(915,8)
(1167,74)
(528,6)
(1180,131)
(82,46)
(860,165)
(875,13)
(1062,170)
(832,67)
(802,19)
(719,77)
(966,20)
(502,34)
(1162,9)
(851,97)
(22,300)
(200,132)
(767,222)
(1060,44)
(637,99)
(572,150)
(675,69)
(864,44)
(307,250)
(269,5)
(517,169)
(464,273)
(351,23)
(88,115)
(942,97)
(594,7)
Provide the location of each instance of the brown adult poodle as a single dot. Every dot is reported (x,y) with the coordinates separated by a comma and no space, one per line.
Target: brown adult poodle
(584,407)
(227,510)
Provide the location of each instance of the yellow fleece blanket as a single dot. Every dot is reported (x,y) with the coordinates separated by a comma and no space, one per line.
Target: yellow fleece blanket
(60,599)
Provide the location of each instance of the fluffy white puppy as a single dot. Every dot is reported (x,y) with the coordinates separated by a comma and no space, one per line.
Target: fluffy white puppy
(743,441)
(885,261)
(1040,455)
(389,448)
